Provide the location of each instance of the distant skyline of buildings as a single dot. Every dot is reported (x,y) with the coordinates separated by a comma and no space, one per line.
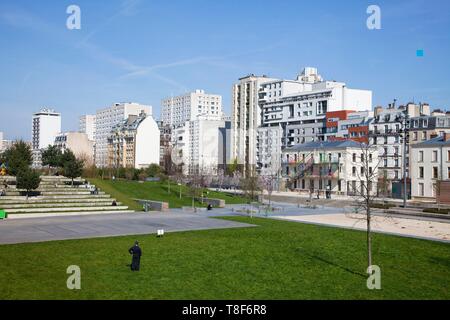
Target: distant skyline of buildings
(270,118)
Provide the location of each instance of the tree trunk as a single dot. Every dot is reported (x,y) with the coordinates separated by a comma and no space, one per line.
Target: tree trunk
(369,238)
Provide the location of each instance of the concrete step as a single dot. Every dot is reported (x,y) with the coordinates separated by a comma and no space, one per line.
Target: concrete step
(56,205)
(50,193)
(75,196)
(64,214)
(70,200)
(66,209)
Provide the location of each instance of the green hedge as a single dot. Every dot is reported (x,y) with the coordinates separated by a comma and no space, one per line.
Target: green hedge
(382,206)
(435,210)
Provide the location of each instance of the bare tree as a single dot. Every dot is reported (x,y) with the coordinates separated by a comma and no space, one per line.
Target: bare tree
(365,195)
(267,183)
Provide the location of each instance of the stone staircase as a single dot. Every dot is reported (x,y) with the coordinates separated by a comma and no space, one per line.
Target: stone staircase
(56,195)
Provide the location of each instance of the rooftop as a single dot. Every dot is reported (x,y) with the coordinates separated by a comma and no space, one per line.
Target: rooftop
(325,145)
(438,141)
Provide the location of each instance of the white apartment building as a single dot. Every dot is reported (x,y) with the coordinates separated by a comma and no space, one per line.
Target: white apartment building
(297,106)
(300,106)
(201,144)
(337,166)
(134,143)
(4,144)
(246,118)
(268,150)
(87,125)
(431,164)
(46,124)
(106,119)
(1,141)
(77,142)
(177,110)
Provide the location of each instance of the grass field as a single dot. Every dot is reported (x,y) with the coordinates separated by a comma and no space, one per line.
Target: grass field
(276,260)
(125,191)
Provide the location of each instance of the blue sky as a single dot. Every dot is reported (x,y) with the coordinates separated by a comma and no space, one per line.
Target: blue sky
(143,51)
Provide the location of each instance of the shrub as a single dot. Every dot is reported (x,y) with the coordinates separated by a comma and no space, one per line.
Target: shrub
(382,206)
(435,210)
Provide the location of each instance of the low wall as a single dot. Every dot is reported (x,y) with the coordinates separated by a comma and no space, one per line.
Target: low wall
(153,205)
(214,202)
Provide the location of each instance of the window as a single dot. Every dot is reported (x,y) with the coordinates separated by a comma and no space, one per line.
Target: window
(415,136)
(385,140)
(424,135)
(434,156)
(435,173)
(448,155)
(448,172)
(354,171)
(396,174)
(421,190)
(420,172)
(420,156)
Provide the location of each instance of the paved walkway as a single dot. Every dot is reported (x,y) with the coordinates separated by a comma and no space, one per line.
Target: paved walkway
(105,225)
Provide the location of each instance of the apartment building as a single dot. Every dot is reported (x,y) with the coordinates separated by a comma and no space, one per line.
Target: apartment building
(165,145)
(134,143)
(46,124)
(337,166)
(430,170)
(202,144)
(77,142)
(268,150)
(387,131)
(348,124)
(301,109)
(106,119)
(428,127)
(246,118)
(175,111)
(1,142)
(87,125)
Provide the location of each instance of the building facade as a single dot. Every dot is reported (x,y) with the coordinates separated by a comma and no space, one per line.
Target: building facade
(165,146)
(337,166)
(87,125)
(45,126)
(387,131)
(177,110)
(246,119)
(201,145)
(77,142)
(301,106)
(268,146)
(134,143)
(348,124)
(106,119)
(430,167)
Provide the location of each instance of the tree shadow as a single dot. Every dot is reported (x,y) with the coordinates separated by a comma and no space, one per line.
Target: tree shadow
(442,261)
(332,263)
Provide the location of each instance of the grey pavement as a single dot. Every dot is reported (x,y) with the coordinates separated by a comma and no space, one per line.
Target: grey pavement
(105,225)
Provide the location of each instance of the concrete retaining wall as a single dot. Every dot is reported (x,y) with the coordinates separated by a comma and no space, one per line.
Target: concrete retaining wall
(214,202)
(153,205)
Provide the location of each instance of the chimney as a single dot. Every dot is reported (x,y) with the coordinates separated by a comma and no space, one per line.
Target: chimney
(446,136)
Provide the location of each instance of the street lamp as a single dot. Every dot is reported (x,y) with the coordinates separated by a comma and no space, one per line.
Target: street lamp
(404,120)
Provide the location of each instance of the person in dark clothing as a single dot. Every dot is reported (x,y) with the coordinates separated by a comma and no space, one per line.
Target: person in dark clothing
(136,259)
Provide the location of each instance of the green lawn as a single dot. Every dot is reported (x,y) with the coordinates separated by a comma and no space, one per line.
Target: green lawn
(276,260)
(125,191)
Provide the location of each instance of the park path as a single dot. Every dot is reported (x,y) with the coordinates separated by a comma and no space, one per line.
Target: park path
(104,225)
